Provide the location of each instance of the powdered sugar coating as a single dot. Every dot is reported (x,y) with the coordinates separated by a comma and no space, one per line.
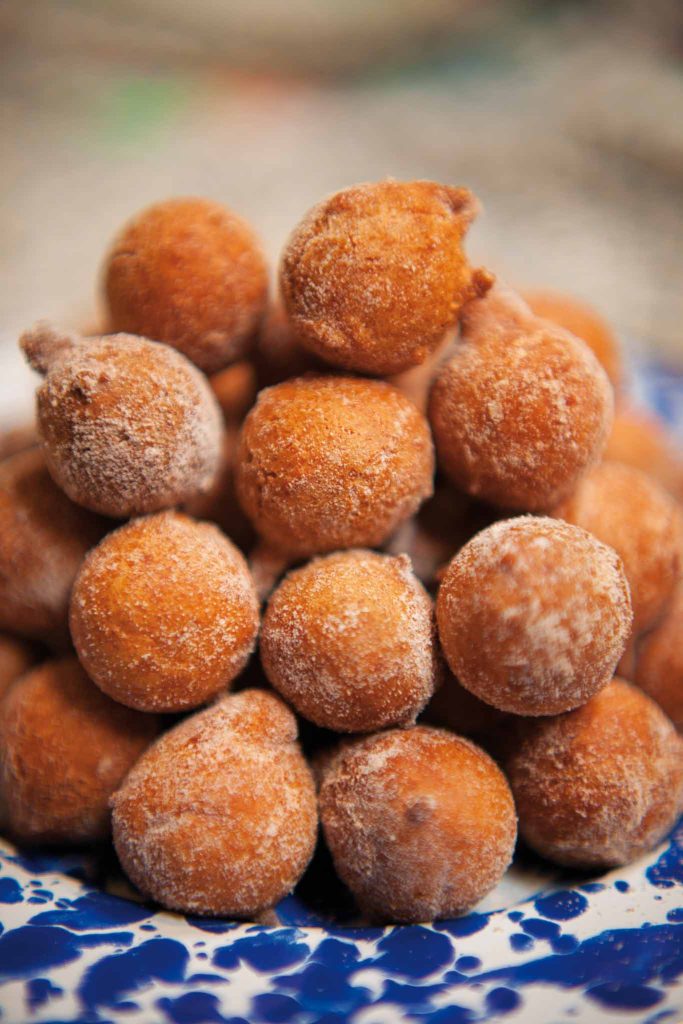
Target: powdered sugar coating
(349,640)
(420,823)
(633,514)
(521,410)
(43,540)
(64,748)
(534,615)
(600,785)
(163,613)
(374,275)
(191,273)
(128,425)
(326,463)
(219,817)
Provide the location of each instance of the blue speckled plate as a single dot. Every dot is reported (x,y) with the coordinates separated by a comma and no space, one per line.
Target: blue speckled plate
(560,949)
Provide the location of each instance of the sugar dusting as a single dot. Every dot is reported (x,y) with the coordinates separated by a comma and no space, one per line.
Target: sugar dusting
(219,817)
(128,425)
(601,784)
(373,276)
(332,462)
(164,613)
(349,639)
(420,823)
(521,410)
(534,615)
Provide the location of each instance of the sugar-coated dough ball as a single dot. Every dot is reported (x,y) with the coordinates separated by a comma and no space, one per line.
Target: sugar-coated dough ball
(521,410)
(533,615)
(600,785)
(164,613)
(638,439)
(420,823)
(189,272)
(16,657)
(219,817)
(219,504)
(659,660)
(128,426)
(64,748)
(349,641)
(634,515)
(332,462)
(43,540)
(374,275)
(584,322)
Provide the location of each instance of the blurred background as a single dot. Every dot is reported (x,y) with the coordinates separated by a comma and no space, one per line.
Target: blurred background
(566,118)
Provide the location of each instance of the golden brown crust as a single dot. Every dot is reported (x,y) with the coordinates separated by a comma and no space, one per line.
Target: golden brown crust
(534,615)
(521,410)
(420,823)
(191,273)
(349,641)
(163,613)
(64,749)
(128,426)
(624,508)
(659,661)
(581,320)
(375,275)
(219,817)
(600,785)
(332,462)
(43,540)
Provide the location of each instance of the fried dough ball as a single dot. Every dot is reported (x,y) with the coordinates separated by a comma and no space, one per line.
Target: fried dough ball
(638,439)
(163,613)
(43,540)
(332,462)
(64,748)
(374,275)
(534,615)
(659,661)
(522,409)
(624,508)
(128,426)
(235,389)
(581,320)
(420,823)
(219,816)
(16,657)
(600,785)
(349,641)
(191,273)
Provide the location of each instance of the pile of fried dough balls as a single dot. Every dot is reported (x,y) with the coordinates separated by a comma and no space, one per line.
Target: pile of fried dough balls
(407,482)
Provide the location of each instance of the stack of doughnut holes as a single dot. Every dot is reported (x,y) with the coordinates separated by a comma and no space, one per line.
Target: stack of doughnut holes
(372,558)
